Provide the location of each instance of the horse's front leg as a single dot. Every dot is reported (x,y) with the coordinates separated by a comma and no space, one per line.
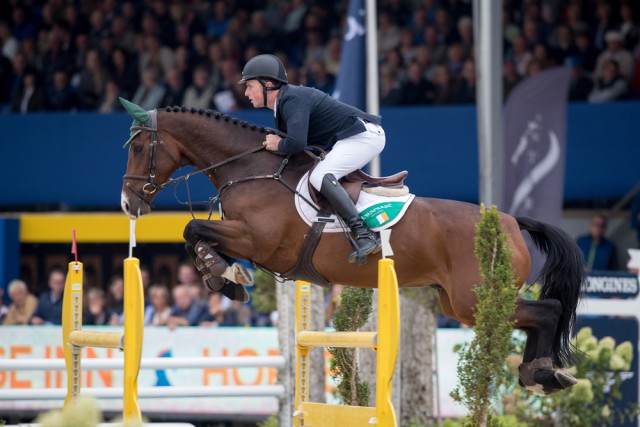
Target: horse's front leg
(215,269)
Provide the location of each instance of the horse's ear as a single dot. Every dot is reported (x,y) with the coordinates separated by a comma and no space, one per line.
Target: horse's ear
(138,113)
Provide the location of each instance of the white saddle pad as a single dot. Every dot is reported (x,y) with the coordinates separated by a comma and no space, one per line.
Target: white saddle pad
(378,212)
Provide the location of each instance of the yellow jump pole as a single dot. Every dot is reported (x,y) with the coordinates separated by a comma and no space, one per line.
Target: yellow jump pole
(303,323)
(388,340)
(72,321)
(133,335)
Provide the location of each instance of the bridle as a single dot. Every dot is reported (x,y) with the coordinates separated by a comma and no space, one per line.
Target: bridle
(150,187)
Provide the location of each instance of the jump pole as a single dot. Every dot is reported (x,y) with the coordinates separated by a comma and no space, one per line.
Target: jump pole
(385,342)
(74,338)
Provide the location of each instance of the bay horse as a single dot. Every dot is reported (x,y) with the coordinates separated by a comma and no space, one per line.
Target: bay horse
(433,243)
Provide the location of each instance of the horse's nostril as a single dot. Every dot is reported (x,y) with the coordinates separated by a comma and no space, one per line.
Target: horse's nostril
(126,207)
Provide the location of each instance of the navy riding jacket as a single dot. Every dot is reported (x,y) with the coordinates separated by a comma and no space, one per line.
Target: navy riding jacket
(311,117)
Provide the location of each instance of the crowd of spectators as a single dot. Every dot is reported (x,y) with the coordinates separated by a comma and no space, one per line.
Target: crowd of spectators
(188,303)
(62,55)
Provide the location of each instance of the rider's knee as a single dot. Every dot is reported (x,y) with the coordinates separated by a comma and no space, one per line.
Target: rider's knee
(316,178)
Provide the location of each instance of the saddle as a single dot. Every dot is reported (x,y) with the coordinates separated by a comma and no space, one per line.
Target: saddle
(359,180)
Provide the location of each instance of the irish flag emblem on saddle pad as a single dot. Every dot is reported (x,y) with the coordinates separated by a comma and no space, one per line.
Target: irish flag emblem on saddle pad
(378,212)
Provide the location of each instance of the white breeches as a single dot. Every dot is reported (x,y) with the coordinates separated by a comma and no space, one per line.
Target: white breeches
(350,154)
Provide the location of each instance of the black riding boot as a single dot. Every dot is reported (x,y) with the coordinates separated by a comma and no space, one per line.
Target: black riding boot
(368,242)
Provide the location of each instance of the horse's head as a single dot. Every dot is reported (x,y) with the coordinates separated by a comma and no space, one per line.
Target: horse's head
(151,161)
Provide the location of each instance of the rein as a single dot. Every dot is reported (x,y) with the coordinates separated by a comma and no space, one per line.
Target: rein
(151,187)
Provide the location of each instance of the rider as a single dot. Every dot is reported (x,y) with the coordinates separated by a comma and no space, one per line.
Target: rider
(311,117)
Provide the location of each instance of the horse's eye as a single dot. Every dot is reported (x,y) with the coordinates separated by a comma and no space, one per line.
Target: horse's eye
(137,148)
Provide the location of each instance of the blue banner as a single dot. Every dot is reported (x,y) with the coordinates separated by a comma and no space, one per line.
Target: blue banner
(535,123)
(352,79)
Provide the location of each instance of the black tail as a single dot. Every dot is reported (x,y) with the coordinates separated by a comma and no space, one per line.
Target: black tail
(561,279)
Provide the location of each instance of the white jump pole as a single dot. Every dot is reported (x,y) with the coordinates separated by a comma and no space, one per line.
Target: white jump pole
(147,363)
(148,392)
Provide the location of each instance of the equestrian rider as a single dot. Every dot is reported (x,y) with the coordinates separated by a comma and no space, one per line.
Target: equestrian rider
(311,117)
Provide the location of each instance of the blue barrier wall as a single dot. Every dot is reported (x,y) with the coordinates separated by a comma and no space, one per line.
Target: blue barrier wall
(78,160)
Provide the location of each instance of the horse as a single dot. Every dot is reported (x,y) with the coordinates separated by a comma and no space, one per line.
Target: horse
(433,243)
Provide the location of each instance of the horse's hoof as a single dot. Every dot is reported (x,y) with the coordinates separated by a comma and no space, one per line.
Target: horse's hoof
(565,380)
(550,382)
(234,291)
(238,273)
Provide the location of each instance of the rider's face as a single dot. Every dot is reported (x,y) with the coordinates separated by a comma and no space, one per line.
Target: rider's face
(253,91)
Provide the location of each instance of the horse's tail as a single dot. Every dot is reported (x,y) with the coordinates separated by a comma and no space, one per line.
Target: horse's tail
(561,279)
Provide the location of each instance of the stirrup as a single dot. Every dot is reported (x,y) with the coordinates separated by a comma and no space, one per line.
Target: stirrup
(360,255)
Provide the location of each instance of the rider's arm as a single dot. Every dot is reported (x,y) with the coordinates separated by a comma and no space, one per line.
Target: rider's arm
(295,112)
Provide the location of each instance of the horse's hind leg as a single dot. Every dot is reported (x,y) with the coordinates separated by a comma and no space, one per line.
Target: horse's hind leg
(539,319)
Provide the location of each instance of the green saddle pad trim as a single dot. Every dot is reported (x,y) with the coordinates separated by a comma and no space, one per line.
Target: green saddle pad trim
(381,213)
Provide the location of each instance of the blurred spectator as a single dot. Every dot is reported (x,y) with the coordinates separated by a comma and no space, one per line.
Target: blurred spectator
(109,103)
(628,26)
(31,96)
(186,310)
(6,81)
(465,31)
(174,88)
(23,304)
(61,96)
(510,78)
(217,314)
(635,215)
(434,42)
(98,312)
(445,88)
(200,93)
(580,86)
(90,82)
(390,92)
(49,309)
(466,93)
(4,309)
(217,24)
(166,25)
(562,45)
(156,56)
(455,59)
(122,69)
(611,86)
(188,276)
(447,322)
(319,78)
(520,55)
(586,54)
(123,37)
(115,300)
(388,34)
(417,89)
(615,52)
(332,302)
(150,92)
(8,43)
(598,252)
(604,24)
(159,311)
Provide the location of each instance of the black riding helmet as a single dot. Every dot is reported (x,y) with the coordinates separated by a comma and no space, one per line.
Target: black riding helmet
(263,68)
